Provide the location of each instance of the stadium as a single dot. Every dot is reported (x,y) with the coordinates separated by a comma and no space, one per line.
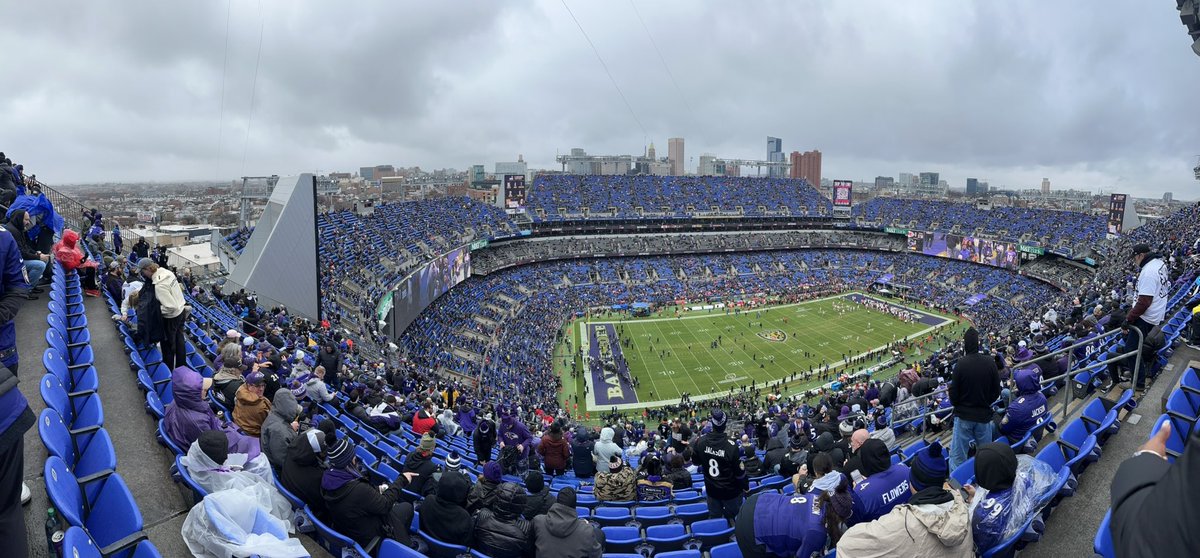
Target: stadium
(616,358)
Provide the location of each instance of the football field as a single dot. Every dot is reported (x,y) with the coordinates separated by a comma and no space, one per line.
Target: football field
(713,351)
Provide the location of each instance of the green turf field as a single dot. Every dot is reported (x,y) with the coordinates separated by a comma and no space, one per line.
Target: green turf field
(671,356)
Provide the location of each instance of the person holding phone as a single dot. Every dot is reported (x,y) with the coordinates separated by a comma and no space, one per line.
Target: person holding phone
(359,509)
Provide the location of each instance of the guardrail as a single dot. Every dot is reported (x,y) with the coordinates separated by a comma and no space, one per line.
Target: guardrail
(69,208)
(923,400)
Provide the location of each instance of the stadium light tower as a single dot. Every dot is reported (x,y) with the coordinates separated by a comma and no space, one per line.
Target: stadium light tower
(1189,15)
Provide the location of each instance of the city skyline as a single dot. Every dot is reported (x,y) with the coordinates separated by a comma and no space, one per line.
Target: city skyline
(1006,92)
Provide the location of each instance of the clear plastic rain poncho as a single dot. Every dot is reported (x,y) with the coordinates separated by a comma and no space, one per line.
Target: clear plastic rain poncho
(230,523)
(252,477)
(996,516)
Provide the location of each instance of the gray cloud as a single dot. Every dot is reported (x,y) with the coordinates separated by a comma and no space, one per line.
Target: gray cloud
(1092,98)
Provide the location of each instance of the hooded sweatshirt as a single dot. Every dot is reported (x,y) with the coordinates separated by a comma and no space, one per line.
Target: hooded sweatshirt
(302,470)
(189,415)
(168,292)
(277,433)
(445,517)
(1029,406)
(883,485)
(555,451)
(250,410)
(560,533)
(605,449)
(934,523)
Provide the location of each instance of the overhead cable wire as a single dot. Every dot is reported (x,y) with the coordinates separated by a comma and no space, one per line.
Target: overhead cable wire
(605,66)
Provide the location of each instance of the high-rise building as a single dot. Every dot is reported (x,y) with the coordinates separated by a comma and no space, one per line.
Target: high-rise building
(708,165)
(368,173)
(517,167)
(884,183)
(1168,197)
(675,155)
(1045,186)
(775,155)
(972,187)
(806,165)
(650,152)
(907,181)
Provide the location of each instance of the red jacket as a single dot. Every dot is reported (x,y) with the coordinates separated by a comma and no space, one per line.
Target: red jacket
(422,424)
(555,452)
(66,251)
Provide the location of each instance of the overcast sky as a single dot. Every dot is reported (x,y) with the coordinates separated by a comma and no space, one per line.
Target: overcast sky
(1099,95)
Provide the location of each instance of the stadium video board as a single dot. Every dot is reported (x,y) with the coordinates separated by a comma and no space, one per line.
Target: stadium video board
(1116,214)
(843,193)
(424,285)
(979,250)
(514,192)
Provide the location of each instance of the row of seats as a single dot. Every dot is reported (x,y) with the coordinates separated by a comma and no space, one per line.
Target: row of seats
(81,475)
(1183,412)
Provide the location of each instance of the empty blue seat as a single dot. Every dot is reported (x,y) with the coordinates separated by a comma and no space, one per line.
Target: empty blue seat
(1053,456)
(649,516)
(87,453)
(689,513)
(1078,446)
(729,550)
(104,508)
(611,517)
(666,538)
(78,409)
(77,379)
(680,554)
(1100,422)
(154,405)
(77,355)
(58,322)
(77,544)
(441,549)
(965,472)
(711,532)
(621,539)
(1102,544)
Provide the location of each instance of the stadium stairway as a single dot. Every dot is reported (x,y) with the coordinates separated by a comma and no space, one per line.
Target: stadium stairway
(140,459)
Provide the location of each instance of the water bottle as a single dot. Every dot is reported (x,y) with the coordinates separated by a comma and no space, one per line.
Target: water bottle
(54,534)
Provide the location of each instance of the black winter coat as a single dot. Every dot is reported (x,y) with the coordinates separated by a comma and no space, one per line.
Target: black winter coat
(445,516)
(359,511)
(581,456)
(301,475)
(538,504)
(501,532)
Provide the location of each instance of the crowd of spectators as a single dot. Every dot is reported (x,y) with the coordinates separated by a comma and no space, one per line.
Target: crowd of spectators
(564,196)
(1044,226)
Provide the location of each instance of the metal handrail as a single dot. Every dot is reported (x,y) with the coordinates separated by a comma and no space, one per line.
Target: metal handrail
(1045,381)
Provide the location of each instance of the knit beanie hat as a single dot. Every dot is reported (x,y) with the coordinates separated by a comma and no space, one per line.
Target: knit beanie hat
(929,468)
(534,481)
(567,497)
(215,445)
(995,466)
(614,464)
(341,453)
(453,462)
(718,421)
(491,471)
(428,442)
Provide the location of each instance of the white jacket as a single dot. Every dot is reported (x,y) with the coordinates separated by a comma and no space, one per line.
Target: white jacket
(168,292)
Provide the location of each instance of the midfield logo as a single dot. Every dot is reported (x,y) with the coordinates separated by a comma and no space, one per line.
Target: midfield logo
(775,335)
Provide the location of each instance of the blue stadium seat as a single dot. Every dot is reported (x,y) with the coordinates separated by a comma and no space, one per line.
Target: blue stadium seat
(295,501)
(1176,441)
(666,538)
(75,336)
(78,379)
(680,554)
(165,440)
(611,517)
(1078,446)
(1102,544)
(392,549)
(77,544)
(729,550)
(440,549)
(1065,485)
(964,473)
(711,532)
(86,453)
(649,516)
(1030,532)
(690,513)
(180,473)
(79,410)
(621,539)
(1099,422)
(104,508)
(685,497)
(154,405)
(334,542)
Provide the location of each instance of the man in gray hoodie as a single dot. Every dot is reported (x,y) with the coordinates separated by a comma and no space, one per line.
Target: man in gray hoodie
(605,449)
(280,428)
(560,533)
